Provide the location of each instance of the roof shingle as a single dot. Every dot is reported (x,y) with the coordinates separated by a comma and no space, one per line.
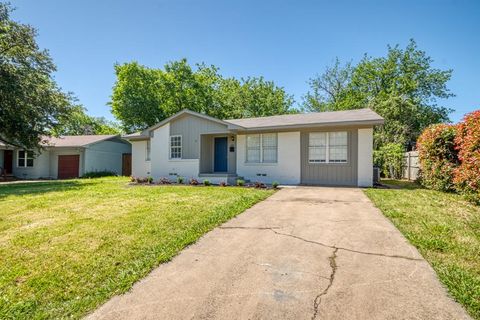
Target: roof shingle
(76,141)
(313,118)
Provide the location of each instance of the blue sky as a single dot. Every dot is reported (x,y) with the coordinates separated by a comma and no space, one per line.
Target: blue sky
(284,41)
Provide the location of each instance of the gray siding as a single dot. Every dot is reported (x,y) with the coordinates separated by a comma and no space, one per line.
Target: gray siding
(232,156)
(206,157)
(190,127)
(106,155)
(208,153)
(342,174)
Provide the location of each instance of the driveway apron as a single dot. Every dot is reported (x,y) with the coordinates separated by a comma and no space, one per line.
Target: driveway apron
(304,253)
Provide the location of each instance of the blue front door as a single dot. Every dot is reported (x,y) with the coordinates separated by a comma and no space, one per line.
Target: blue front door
(220,159)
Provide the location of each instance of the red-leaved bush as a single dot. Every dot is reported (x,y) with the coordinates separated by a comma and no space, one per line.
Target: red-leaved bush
(438,156)
(467,140)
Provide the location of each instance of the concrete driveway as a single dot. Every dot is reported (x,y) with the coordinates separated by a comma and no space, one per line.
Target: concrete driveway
(304,253)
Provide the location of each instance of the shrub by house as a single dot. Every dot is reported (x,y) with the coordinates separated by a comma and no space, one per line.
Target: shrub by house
(467,175)
(438,156)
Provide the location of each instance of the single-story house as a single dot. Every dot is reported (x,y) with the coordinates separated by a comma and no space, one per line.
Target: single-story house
(326,148)
(68,157)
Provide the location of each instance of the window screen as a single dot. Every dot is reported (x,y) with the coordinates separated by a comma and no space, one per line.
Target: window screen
(317,147)
(253,148)
(269,147)
(337,147)
(176,147)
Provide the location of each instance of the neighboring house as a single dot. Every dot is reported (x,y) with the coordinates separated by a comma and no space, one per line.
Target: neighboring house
(328,148)
(68,157)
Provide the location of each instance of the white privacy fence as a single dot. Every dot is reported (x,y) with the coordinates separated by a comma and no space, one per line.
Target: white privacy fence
(411,165)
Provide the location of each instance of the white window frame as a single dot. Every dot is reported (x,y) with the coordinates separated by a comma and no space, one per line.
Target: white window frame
(327,149)
(25,163)
(261,160)
(316,161)
(259,148)
(179,147)
(148,150)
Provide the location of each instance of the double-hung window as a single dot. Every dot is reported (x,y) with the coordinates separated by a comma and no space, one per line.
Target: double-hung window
(262,148)
(175,147)
(25,158)
(317,147)
(328,147)
(337,147)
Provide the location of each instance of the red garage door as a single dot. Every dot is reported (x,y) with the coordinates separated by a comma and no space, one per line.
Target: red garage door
(68,166)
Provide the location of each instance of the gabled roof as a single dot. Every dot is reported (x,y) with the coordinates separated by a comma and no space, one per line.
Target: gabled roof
(299,120)
(349,117)
(76,141)
(70,141)
(190,112)
(145,134)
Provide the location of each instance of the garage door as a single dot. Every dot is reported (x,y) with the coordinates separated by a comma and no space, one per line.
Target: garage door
(68,166)
(329,157)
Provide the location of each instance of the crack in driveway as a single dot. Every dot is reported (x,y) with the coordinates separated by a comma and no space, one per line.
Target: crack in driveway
(252,228)
(318,299)
(274,230)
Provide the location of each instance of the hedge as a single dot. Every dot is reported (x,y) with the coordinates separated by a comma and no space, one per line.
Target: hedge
(449,157)
(437,155)
(467,175)
(389,159)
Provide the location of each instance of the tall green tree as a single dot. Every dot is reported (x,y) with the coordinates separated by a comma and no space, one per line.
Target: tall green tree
(30,101)
(144,96)
(329,91)
(403,87)
(78,122)
(259,98)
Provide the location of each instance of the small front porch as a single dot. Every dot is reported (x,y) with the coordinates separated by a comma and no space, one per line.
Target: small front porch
(217,178)
(218,157)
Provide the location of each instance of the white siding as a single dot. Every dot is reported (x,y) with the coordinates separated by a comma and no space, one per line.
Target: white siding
(365,157)
(45,165)
(140,167)
(285,171)
(40,167)
(105,155)
(162,166)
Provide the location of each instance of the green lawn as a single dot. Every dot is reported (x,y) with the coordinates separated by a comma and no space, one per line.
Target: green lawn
(66,247)
(446,231)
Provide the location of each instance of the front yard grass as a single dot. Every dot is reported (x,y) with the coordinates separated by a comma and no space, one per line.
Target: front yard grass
(68,246)
(446,231)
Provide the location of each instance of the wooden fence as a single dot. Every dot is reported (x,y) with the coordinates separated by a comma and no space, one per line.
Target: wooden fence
(411,165)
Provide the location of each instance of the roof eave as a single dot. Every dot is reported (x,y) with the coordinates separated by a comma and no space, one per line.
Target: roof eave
(135,138)
(193,113)
(319,125)
(104,139)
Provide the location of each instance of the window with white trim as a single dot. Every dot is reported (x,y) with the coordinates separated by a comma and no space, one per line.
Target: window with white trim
(328,147)
(317,147)
(148,151)
(337,147)
(262,148)
(269,147)
(175,147)
(253,148)
(25,158)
